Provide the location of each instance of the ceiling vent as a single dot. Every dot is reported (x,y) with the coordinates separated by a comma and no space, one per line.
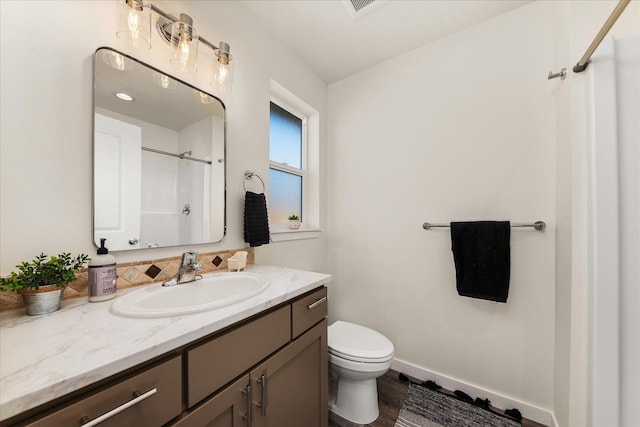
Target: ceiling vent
(358,8)
(359,4)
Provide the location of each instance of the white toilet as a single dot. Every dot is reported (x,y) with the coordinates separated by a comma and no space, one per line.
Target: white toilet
(357,356)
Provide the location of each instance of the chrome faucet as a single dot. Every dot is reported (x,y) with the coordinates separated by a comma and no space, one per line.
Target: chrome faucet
(187,271)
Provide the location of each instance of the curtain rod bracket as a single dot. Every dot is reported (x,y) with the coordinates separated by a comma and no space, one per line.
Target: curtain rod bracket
(562,74)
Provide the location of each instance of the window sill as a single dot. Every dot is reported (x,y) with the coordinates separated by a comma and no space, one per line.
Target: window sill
(282,233)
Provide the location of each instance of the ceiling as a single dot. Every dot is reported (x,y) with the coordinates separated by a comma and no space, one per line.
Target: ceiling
(324,35)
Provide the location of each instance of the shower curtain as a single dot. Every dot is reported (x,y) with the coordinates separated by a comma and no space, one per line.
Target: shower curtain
(615,335)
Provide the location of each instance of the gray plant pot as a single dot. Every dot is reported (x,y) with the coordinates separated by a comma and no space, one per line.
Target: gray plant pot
(42,302)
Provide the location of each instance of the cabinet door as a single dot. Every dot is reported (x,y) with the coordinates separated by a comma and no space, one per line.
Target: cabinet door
(290,388)
(228,408)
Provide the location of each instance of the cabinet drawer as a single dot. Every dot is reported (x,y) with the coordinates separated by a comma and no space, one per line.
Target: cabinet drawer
(308,310)
(154,396)
(214,364)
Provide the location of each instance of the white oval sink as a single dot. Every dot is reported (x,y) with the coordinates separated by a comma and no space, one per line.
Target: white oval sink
(212,291)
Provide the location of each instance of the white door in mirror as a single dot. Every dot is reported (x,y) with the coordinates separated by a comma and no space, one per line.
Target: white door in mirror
(117,159)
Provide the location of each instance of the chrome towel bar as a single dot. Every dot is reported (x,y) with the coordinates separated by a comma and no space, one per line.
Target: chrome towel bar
(538,225)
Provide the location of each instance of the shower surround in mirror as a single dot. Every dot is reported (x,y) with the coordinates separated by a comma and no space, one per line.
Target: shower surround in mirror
(139,273)
(158,158)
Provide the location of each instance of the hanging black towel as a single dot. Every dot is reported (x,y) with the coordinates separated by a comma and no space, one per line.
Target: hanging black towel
(256,223)
(481,254)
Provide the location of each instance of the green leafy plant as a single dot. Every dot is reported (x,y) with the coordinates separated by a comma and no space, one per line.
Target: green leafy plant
(293,217)
(58,270)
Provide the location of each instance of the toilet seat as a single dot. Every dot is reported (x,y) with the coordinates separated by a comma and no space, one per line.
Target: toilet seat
(358,343)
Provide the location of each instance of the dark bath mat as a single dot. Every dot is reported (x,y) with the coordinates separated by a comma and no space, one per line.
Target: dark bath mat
(428,408)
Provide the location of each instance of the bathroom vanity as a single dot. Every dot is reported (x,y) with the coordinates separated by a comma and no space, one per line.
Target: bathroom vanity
(258,362)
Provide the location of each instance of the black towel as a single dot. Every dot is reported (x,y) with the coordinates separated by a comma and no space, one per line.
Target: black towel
(481,254)
(256,222)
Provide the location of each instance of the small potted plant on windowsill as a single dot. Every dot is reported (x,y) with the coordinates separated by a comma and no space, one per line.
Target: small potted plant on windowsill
(41,281)
(294,222)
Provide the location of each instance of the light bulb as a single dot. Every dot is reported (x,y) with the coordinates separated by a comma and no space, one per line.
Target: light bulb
(185,39)
(222,68)
(183,49)
(134,23)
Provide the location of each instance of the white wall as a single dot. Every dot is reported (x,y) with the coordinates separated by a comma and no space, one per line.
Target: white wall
(460,129)
(46,120)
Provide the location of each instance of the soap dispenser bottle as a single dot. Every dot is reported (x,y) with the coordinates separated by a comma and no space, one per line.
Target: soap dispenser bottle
(102,275)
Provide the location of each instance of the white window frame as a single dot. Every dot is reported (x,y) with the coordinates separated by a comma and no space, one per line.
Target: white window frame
(310,226)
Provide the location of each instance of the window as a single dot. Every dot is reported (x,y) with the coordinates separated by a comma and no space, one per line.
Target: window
(287,150)
(294,166)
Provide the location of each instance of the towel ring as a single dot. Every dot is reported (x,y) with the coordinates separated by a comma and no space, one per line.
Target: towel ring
(247,176)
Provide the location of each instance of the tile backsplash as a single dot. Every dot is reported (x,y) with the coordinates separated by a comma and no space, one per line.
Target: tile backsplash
(137,273)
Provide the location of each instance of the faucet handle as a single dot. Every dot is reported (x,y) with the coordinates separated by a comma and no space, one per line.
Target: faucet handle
(197,266)
(189,258)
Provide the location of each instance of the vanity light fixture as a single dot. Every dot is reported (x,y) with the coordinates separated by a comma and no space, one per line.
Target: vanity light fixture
(134,19)
(222,68)
(134,23)
(116,60)
(164,81)
(184,39)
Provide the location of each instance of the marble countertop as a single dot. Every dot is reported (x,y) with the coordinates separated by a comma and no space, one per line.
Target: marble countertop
(48,356)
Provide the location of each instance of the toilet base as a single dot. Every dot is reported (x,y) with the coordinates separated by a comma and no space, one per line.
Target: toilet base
(356,401)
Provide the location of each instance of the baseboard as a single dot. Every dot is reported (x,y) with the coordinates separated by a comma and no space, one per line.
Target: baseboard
(532,412)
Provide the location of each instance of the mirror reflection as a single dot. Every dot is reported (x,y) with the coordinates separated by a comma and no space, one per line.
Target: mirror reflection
(158,158)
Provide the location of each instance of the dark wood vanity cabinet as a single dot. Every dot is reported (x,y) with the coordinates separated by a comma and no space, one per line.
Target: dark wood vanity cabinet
(287,386)
(269,371)
(288,389)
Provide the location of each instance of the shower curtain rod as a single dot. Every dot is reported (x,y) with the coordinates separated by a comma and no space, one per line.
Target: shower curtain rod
(180,156)
(584,61)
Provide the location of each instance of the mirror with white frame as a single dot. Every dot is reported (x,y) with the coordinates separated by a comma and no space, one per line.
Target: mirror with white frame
(158,158)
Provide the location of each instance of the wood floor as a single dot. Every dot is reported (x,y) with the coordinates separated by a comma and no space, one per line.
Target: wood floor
(391,394)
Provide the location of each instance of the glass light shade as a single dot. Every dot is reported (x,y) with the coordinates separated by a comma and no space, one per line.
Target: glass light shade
(222,77)
(134,23)
(116,60)
(164,81)
(185,41)
(204,98)
(222,69)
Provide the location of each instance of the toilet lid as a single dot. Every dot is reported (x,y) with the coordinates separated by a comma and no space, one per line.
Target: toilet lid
(358,343)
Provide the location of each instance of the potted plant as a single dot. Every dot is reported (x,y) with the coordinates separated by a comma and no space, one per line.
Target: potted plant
(294,222)
(41,281)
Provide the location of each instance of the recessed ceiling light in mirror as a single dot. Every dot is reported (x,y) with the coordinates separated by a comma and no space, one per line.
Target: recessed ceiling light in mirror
(125,96)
